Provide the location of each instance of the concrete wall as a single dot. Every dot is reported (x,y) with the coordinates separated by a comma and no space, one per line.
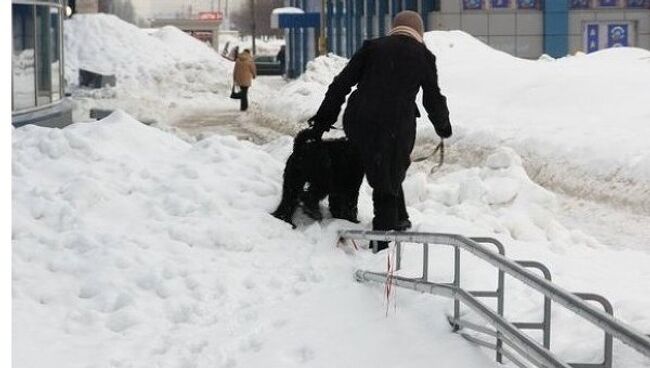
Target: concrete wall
(87,6)
(639,18)
(516,31)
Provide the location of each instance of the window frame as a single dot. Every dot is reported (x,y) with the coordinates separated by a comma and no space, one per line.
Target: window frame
(61,92)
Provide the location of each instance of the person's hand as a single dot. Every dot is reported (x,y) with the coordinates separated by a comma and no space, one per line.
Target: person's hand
(443,130)
(313,133)
(317,123)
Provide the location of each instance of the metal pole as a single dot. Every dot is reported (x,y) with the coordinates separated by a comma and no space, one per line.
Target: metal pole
(627,334)
(253,35)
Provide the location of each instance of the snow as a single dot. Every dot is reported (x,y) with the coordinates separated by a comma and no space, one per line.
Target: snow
(575,120)
(288,10)
(157,73)
(133,247)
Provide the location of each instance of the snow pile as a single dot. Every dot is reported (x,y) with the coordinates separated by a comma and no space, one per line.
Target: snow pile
(578,121)
(133,247)
(155,73)
(306,92)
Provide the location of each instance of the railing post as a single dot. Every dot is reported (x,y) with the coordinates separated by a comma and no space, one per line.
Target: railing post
(456,285)
(398,250)
(500,289)
(425,262)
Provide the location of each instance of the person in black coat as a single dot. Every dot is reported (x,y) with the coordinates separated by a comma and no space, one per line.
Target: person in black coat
(380,116)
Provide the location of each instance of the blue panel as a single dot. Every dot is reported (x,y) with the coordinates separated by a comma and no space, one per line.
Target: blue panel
(305,49)
(608,2)
(556,28)
(307,20)
(358,29)
(370,14)
(472,4)
(383,10)
(411,5)
(339,27)
(617,35)
(642,4)
(348,28)
(427,7)
(537,4)
(330,25)
(500,4)
(593,41)
(579,4)
(397,6)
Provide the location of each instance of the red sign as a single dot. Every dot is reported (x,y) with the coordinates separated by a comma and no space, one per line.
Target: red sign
(217,15)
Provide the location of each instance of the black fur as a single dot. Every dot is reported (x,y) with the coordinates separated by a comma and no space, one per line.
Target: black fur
(318,168)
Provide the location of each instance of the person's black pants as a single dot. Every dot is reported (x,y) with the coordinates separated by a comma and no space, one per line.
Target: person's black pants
(244,99)
(389,209)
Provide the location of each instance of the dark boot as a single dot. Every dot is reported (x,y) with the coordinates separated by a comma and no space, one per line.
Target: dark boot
(377,245)
(403,222)
(403,225)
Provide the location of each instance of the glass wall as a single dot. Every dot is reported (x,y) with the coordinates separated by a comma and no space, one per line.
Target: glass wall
(37,70)
(22,58)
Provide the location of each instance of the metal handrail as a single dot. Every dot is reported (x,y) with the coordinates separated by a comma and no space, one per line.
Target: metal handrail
(602,320)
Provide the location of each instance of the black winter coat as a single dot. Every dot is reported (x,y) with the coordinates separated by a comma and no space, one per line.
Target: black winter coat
(380,116)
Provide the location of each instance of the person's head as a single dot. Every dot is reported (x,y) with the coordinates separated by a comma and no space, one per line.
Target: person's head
(410,19)
(247,51)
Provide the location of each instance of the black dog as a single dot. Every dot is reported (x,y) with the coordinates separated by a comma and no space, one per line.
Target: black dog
(318,168)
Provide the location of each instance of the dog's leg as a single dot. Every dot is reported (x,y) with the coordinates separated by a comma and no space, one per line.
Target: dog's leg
(292,187)
(311,199)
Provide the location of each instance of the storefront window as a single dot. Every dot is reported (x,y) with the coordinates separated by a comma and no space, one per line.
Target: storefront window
(55,52)
(43,59)
(580,4)
(23,54)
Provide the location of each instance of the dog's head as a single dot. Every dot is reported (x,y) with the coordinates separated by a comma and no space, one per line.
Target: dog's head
(303,138)
(310,150)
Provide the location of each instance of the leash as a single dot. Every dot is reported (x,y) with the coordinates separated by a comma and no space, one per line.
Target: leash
(441,160)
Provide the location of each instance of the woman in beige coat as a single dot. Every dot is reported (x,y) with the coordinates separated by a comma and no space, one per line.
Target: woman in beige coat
(243,76)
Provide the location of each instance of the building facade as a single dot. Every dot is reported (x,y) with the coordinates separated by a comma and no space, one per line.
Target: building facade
(37,79)
(524,28)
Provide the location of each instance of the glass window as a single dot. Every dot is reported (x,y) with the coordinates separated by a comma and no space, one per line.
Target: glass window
(55,52)
(500,4)
(43,57)
(472,4)
(528,4)
(638,4)
(580,4)
(22,58)
(608,3)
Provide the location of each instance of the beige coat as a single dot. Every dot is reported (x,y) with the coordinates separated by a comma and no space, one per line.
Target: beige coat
(245,71)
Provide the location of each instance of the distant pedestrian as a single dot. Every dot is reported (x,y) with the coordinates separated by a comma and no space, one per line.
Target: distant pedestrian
(380,115)
(243,76)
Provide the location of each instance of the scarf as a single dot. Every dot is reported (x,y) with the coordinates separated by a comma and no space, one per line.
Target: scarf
(406,31)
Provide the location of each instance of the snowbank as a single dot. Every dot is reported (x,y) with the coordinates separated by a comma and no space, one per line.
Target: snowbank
(155,72)
(133,247)
(580,122)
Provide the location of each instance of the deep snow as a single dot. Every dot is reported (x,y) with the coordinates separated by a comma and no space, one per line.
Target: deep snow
(133,247)
(577,121)
(158,74)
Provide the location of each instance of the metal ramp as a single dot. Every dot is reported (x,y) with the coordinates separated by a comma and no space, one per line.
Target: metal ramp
(509,340)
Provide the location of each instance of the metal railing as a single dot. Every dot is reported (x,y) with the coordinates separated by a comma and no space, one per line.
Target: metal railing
(517,344)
